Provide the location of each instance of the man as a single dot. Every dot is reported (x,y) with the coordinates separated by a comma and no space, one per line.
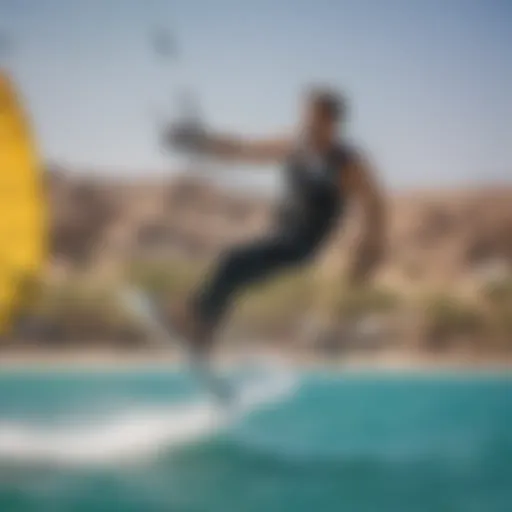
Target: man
(322,174)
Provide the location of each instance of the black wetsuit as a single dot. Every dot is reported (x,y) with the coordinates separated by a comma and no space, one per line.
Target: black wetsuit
(312,205)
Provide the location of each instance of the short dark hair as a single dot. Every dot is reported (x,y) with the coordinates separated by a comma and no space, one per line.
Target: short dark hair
(330,101)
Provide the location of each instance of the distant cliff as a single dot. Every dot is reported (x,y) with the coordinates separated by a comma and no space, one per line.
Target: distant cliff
(446,283)
(445,237)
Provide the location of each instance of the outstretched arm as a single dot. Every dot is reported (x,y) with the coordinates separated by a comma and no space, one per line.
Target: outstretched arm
(248,151)
(229,148)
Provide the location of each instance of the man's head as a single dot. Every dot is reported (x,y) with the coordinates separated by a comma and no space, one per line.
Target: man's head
(324,109)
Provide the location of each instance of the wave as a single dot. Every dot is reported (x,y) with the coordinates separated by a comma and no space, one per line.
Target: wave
(138,432)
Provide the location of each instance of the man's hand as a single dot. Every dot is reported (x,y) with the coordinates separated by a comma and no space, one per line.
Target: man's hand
(189,137)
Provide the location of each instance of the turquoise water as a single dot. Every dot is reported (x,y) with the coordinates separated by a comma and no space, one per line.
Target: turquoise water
(149,441)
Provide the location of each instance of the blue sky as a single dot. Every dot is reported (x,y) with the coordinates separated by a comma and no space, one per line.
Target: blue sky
(430,81)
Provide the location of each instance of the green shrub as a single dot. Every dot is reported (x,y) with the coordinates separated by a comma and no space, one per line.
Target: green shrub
(448,317)
(499,293)
(356,303)
(74,311)
(274,303)
(498,302)
(170,279)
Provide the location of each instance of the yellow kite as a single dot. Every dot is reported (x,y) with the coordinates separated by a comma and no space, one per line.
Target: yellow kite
(22,218)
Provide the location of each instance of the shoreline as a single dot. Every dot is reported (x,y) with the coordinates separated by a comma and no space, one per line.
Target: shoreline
(384,361)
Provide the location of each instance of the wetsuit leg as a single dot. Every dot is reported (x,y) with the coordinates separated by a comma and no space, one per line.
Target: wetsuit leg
(247,265)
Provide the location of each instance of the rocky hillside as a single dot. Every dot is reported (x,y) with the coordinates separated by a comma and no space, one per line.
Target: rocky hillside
(433,292)
(435,238)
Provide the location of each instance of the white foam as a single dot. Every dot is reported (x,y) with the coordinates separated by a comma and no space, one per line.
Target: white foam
(135,433)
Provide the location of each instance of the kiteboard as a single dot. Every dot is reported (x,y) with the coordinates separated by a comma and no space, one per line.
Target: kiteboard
(22,223)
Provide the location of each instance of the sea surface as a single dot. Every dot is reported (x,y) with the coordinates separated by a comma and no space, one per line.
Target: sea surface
(295,442)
